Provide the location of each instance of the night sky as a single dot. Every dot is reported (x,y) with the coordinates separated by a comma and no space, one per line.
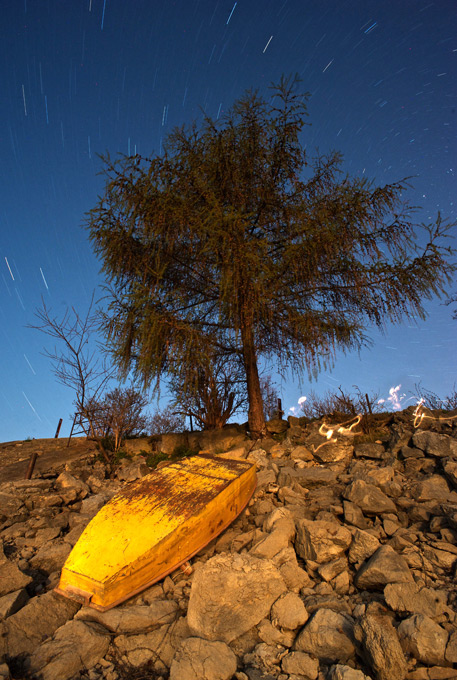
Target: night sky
(82,77)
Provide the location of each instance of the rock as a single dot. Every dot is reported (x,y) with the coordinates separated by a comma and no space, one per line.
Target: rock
(382,647)
(293,575)
(132,618)
(450,469)
(321,541)
(369,498)
(39,618)
(66,482)
(75,646)
(11,603)
(369,450)
(268,633)
(341,672)
(198,659)
(155,648)
(434,444)
(289,612)
(434,488)
(314,477)
(363,546)
(10,505)
(328,636)
(300,664)
(354,515)
(12,578)
(332,451)
(331,570)
(279,539)
(424,639)
(230,594)
(384,566)
(136,470)
(51,557)
(276,426)
(407,598)
(451,648)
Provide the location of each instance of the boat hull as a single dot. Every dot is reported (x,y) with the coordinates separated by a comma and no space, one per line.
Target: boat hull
(154,525)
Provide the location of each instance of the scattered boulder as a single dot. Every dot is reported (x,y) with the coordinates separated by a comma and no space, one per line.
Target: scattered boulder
(424,639)
(328,636)
(198,659)
(382,647)
(383,567)
(230,594)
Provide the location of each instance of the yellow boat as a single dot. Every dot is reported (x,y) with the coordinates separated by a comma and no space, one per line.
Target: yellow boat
(154,525)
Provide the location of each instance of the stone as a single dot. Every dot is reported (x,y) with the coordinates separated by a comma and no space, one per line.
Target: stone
(434,444)
(22,632)
(354,515)
(382,647)
(67,482)
(268,633)
(434,488)
(11,603)
(293,575)
(315,477)
(424,639)
(327,636)
(320,540)
(369,498)
(450,470)
(198,659)
(12,578)
(276,426)
(155,648)
(10,505)
(280,538)
(383,567)
(341,672)
(369,450)
(51,557)
(132,618)
(289,612)
(362,547)
(76,646)
(230,594)
(301,664)
(330,570)
(408,598)
(451,648)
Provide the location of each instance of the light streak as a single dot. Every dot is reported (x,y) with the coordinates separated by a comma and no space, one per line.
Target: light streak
(230,15)
(420,415)
(265,48)
(23,97)
(103,15)
(30,365)
(7,264)
(329,64)
(370,28)
(45,283)
(327,432)
(46,104)
(28,402)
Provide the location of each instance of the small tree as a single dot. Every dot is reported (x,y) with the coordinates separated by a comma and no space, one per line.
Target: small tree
(237,242)
(121,414)
(165,421)
(341,403)
(77,363)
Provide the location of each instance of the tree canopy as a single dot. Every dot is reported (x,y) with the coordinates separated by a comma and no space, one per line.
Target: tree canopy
(235,242)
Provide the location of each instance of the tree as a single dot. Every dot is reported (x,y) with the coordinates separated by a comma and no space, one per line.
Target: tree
(77,364)
(120,414)
(236,242)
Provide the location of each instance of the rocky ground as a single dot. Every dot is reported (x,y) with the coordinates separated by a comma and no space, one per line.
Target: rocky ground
(341,568)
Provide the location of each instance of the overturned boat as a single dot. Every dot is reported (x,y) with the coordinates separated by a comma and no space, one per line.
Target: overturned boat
(154,525)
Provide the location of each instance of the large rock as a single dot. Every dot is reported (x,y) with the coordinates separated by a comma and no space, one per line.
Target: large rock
(132,618)
(407,598)
(230,594)
(363,546)
(301,664)
(198,659)
(382,647)
(369,498)
(320,540)
(341,672)
(328,636)
(12,578)
(424,639)
(51,557)
(40,618)
(434,444)
(384,566)
(289,612)
(434,488)
(74,647)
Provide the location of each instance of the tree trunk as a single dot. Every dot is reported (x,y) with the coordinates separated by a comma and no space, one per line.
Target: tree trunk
(255,414)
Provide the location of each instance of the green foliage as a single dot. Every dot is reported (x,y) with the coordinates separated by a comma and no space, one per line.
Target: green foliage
(183,451)
(153,459)
(236,243)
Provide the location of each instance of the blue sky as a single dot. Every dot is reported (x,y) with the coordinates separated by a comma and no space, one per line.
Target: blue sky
(83,77)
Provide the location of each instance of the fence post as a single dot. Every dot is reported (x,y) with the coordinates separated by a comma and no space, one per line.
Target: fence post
(58,429)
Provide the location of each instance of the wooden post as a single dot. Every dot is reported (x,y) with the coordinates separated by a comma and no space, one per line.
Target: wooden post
(28,474)
(56,436)
(368,404)
(280,411)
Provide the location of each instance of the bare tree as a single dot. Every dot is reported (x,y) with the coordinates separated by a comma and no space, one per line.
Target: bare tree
(76,362)
(341,403)
(166,421)
(120,414)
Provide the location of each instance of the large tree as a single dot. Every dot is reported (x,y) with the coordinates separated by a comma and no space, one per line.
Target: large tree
(235,241)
